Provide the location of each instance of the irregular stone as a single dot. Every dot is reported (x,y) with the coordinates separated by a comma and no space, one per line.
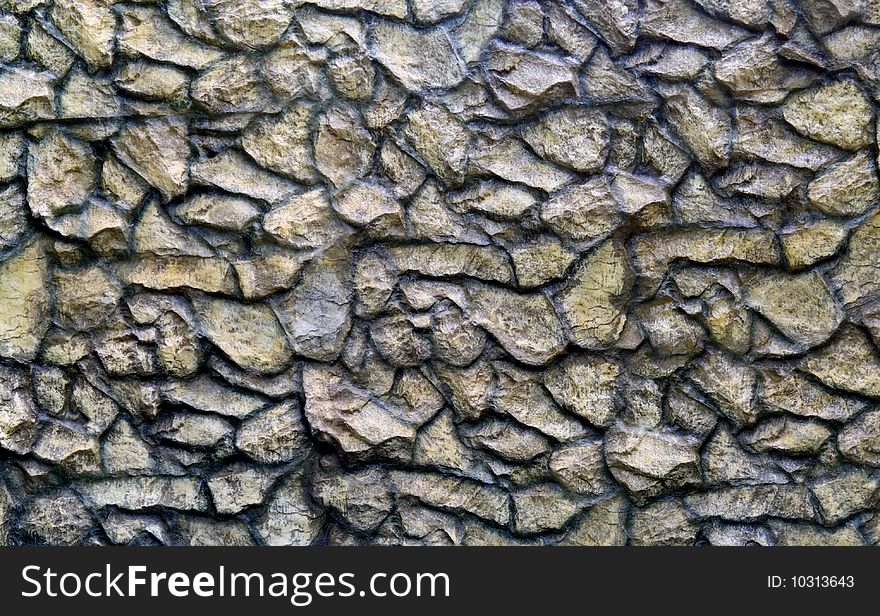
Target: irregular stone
(788,534)
(25,96)
(854,276)
(85,96)
(182,493)
(209,274)
(586,211)
(196,531)
(652,253)
(455,340)
(305,221)
(665,522)
(406,174)
(635,193)
(695,202)
(152,81)
(362,204)
(440,260)
(85,298)
(316,314)
(805,245)
(12,148)
(374,282)
(211,395)
(669,330)
(391,8)
(72,450)
(144,30)
(47,51)
(438,444)
(729,383)
(158,151)
(90,27)
(398,342)
(617,24)
(253,23)
(25,301)
(362,498)
(758,135)
(455,494)
(13,216)
(526,325)
(232,85)
(429,527)
(860,440)
(249,334)
(10,33)
(495,199)
(509,160)
(541,261)
(771,182)
(124,451)
(604,524)
(651,462)
(788,435)
(736,535)
(340,412)
(680,21)
(290,516)
(725,461)
(843,495)
(707,130)
(519,394)
(57,519)
(567,30)
(419,59)
(788,391)
(755,73)
(353,75)
(846,189)
(580,467)
(524,81)
(575,137)
(225,212)
(236,487)
(752,503)
(232,172)
(801,306)
(469,389)
(506,439)
(849,363)
(428,217)
(18,419)
(586,386)
(592,303)
(606,83)
(838,113)
(269,270)
(282,143)
(343,147)
(194,430)
(543,508)
(478,27)
(441,139)
(61,174)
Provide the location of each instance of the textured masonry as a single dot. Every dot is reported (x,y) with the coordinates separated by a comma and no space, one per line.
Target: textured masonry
(482,272)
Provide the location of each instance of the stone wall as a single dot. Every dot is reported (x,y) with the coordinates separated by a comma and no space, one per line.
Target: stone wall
(439,272)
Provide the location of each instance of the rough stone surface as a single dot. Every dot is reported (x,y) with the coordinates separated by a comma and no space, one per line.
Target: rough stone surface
(449,272)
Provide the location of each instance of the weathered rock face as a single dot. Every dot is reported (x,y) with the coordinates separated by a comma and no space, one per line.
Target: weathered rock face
(596,272)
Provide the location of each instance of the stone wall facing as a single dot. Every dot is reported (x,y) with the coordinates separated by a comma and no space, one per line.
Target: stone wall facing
(593,272)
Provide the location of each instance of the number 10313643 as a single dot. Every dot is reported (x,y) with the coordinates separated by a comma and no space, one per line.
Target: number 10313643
(811,581)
